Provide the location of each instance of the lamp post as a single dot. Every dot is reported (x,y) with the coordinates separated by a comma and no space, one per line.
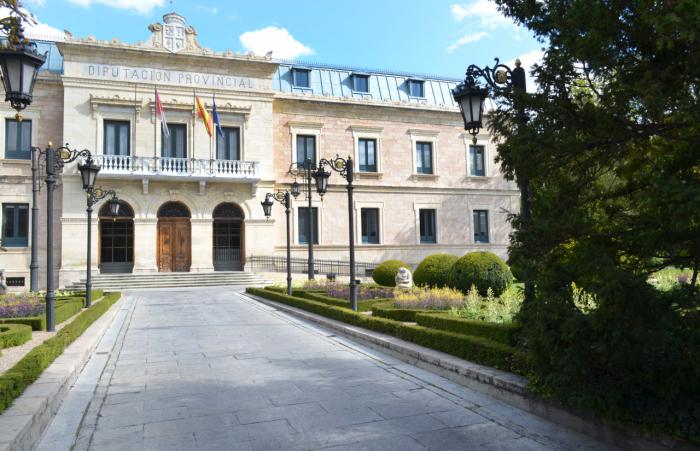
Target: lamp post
(34,262)
(284,198)
(94,195)
(295,191)
(470,97)
(343,166)
(55,160)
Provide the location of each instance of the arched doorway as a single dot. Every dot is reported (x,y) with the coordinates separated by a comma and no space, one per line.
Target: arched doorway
(174,238)
(116,239)
(228,237)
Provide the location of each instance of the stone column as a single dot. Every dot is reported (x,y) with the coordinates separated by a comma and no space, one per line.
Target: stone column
(145,245)
(202,239)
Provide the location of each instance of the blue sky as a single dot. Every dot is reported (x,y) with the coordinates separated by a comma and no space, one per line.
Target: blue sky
(422,36)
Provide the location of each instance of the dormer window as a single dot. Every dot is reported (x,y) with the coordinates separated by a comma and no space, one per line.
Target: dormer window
(300,78)
(416,88)
(360,82)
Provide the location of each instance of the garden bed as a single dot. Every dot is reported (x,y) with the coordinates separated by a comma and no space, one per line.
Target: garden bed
(475,349)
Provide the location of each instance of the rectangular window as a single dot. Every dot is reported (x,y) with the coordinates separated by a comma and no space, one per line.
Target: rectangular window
(116,139)
(360,83)
(15,225)
(175,145)
(18,139)
(424,158)
(481,226)
(306,148)
(368,154)
(369,218)
(415,88)
(476,161)
(428,226)
(303,224)
(228,146)
(300,78)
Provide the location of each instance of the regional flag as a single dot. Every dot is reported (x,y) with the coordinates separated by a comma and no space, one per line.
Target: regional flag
(202,113)
(161,112)
(215,115)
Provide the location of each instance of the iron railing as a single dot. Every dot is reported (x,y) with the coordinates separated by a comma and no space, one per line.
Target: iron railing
(300,265)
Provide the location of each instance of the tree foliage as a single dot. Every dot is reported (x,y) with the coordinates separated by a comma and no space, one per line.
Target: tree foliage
(611,150)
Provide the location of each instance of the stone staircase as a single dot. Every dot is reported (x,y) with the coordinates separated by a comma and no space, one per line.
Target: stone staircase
(172,280)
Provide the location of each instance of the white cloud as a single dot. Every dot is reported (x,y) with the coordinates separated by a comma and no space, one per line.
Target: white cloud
(278,40)
(140,6)
(34,29)
(466,39)
(484,11)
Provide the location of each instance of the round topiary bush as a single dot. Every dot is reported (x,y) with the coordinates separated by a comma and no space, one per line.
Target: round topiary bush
(482,269)
(385,273)
(433,270)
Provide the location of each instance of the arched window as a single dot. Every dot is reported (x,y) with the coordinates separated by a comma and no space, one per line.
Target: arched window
(228,210)
(228,237)
(116,239)
(174,210)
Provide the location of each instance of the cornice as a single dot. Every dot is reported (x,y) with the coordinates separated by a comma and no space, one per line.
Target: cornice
(367,102)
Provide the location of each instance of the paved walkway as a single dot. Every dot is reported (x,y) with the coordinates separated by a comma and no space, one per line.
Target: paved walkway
(212,369)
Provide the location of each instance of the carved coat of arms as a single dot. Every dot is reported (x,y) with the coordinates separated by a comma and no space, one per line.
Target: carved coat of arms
(174,37)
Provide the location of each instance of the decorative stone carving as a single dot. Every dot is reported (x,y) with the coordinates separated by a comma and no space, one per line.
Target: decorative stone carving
(404,279)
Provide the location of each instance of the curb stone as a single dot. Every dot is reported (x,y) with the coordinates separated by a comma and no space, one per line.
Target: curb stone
(23,423)
(507,387)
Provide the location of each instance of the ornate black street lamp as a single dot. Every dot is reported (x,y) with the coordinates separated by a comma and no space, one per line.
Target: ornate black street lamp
(19,63)
(284,198)
(305,170)
(94,195)
(55,159)
(470,97)
(345,168)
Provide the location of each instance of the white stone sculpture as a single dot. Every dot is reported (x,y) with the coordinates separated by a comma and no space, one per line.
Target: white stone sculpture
(404,279)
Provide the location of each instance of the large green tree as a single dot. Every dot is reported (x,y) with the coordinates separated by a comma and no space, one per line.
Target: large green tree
(612,152)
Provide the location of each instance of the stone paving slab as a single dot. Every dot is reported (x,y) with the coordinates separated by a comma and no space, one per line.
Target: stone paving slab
(211,369)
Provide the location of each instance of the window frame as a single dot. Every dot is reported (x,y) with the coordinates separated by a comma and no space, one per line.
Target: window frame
(377,220)
(18,154)
(364,151)
(427,239)
(476,212)
(416,82)
(316,214)
(473,164)
(15,240)
(225,129)
(295,82)
(304,128)
(424,136)
(355,78)
(359,206)
(306,139)
(420,170)
(365,132)
(172,127)
(120,122)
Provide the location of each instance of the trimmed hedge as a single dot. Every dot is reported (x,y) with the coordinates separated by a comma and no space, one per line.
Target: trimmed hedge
(501,333)
(470,348)
(433,270)
(27,370)
(68,309)
(481,269)
(385,273)
(387,310)
(14,335)
(35,322)
(65,309)
(362,306)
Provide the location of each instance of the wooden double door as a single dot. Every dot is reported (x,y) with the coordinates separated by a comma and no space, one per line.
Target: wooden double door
(174,245)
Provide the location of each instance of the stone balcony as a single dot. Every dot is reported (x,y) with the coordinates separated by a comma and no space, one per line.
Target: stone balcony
(177,169)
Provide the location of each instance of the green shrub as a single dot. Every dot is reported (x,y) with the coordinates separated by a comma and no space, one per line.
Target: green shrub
(385,273)
(14,335)
(362,306)
(474,349)
(433,270)
(67,310)
(388,310)
(30,367)
(35,322)
(482,269)
(501,333)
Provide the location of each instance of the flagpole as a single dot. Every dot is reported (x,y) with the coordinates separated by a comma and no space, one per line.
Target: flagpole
(155,124)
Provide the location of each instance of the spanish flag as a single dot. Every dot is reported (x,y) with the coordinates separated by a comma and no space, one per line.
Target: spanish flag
(202,113)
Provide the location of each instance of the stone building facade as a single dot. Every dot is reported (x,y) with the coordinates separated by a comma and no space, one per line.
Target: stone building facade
(191,202)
